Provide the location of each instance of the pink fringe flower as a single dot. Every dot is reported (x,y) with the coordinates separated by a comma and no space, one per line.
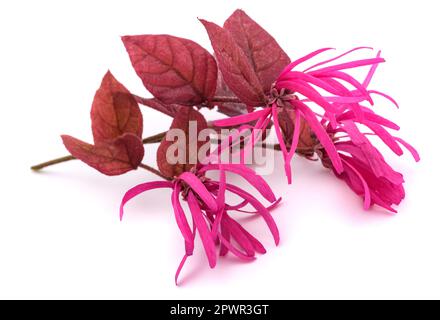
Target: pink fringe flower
(365,170)
(210,213)
(293,90)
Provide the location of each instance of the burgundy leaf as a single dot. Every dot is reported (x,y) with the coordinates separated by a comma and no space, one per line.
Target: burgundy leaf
(123,154)
(153,103)
(181,121)
(238,73)
(264,53)
(174,70)
(114,111)
(230,109)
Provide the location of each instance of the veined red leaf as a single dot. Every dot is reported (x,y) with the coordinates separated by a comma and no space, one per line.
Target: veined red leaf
(119,156)
(237,72)
(230,109)
(168,109)
(264,53)
(189,147)
(114,111)
(174,70)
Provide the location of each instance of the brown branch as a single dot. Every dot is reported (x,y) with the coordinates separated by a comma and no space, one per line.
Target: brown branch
(148,140)
(52,162)
(155,171)
(225,99)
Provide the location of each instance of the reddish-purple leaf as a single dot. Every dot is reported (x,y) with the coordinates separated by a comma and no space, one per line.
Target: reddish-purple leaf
(189,147)
(237,72)
(123,154)
(153,103)
(174,70)
(230,109)
(264,53)
(114,111)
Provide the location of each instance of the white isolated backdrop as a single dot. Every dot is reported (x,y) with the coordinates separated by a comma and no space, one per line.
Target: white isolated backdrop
(60,236)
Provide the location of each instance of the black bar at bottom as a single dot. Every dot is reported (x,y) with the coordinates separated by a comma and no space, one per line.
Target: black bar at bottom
(207,309)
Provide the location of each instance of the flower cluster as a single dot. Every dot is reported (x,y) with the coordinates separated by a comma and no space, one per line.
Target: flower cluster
(210,212)
(321,112)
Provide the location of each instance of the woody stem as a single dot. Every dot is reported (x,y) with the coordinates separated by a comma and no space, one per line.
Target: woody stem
(226,99)
(153,170)
(52,162)
(155,138)
(148,140)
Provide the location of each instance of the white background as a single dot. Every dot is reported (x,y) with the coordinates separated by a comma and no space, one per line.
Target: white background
(60,236)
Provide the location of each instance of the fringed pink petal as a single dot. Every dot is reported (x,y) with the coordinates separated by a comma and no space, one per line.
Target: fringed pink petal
(348,65)
(295,139)
(335,84)
(385,96)
(369,155)
(179,214)
(225,237)
(370,116)
(179,269)
(258,246)
(205,234)
(260,208)
(269,208)
(234,139)
(367,194)
(294,75)
(248,174)
(321,134)
(384,192)
(198,187)
(336,58)
(341,106)
(378,201)
(236,207)
(241,119)
(385,136)
(279,134)
(381,120)
(410,148)
(228,142)
(220,201)
(308,91)
(345,100)
(349,79)
(227,245)
(238,236)
(296,134)
(371,72)
(303,59)
(243,238)
(133,192)
(256,135)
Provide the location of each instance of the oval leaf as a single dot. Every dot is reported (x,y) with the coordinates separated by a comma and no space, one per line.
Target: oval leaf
(114,111)
(123,154)
(230,109)
(174,70)
(264,53)
(153,103)
(185,118)
(237,72)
